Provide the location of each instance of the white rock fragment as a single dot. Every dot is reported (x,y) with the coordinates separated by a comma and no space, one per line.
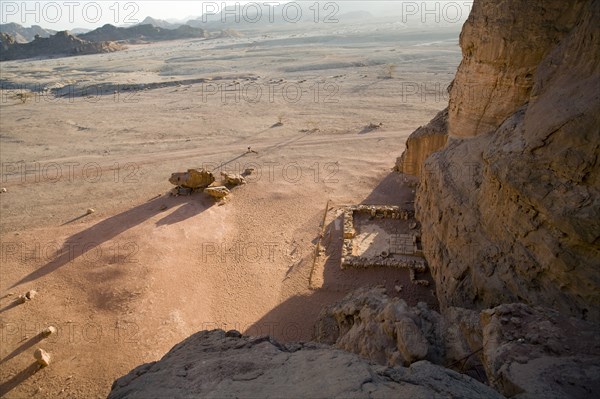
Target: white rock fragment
(46,332)
(28,296)
(42,357)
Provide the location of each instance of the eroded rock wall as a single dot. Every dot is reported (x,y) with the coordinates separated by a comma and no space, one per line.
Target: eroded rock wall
(423,142)
(513,213)
(503,43)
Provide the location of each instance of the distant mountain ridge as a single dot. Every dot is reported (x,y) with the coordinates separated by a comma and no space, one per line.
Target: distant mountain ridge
(160,23)
(146,32)
(25,35)
(60,44)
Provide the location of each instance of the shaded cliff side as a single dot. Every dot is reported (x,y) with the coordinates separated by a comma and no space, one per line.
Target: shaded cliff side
(513,213)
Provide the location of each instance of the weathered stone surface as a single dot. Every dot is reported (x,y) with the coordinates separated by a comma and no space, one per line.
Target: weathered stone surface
(423,142)
(217,192)
(233,179)
(537,353)
(382,329)
(513,214)
(211,364)
(196,179)
(503,43)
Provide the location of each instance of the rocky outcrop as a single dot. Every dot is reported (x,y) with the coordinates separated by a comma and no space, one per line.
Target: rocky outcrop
(387,331)
(523,351)
(538,353)
(146,33)
(383,330)
(60,45)
(513,214)
(212,364)
(422,143)
(22,34)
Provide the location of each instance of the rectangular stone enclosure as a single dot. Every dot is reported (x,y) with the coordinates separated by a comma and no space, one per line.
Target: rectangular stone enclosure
(384,236)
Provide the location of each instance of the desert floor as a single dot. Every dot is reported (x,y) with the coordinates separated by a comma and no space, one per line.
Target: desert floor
(145,270)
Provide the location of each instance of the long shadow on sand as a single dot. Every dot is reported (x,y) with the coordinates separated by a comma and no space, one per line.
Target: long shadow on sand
(11,384)
(106,230)
(294,319)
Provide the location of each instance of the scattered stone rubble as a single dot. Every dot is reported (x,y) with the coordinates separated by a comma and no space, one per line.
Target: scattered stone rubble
(28,296)
(201,180)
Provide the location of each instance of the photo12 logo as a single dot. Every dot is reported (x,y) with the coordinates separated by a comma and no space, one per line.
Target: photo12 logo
(69,172)
(270,12)
(61,12)
(272,92)
(450,12)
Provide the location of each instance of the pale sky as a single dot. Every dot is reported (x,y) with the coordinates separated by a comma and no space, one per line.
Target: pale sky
(69,14)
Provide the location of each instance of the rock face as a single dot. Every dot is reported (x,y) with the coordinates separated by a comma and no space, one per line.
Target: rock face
(537,353)
(59,45)
(216,364)
(383,330)
(503,44)
(423,142)
(387,331)
(513,214)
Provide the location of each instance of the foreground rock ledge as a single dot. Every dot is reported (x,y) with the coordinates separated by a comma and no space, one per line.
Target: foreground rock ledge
(212,364)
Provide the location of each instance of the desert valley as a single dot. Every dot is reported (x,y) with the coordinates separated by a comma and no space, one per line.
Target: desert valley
(316,261)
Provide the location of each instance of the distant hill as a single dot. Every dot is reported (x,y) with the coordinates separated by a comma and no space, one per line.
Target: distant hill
(160,23)
(145,32)
(79,31)
(25,35)
(61,44)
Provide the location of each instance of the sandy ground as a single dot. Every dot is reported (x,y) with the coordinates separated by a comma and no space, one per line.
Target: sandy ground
(145,270)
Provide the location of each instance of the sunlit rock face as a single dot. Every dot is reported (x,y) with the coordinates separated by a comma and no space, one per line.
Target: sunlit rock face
(503,43)
(510,208)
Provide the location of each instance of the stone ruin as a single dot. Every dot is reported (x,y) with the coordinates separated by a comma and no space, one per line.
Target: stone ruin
(366,244)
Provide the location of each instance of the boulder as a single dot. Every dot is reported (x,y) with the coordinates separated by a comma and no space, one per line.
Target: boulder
(233,179)
(196,179)
(42,357)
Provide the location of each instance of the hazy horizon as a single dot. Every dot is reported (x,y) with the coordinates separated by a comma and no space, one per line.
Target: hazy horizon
(69,15)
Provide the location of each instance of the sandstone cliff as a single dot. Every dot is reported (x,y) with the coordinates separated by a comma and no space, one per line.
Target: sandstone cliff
(513,213)
(423,142)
